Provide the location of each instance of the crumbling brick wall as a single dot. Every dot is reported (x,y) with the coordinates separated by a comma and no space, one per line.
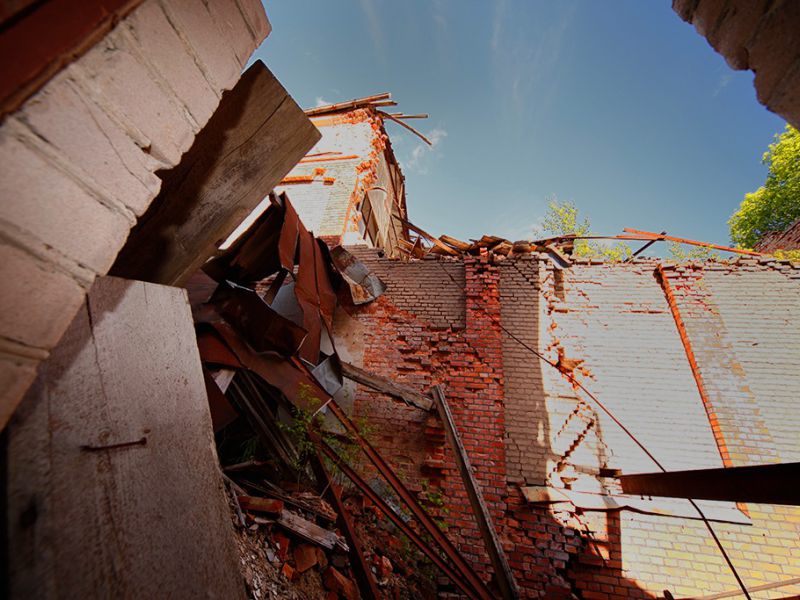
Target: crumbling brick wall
(463,324)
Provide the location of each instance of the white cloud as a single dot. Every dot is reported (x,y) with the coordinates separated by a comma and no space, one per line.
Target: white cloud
(320,101)
(422,151)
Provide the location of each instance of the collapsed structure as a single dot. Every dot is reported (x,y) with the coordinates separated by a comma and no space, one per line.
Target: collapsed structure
(396,414)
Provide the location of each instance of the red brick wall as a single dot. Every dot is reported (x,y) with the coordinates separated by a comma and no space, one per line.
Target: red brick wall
(439,322)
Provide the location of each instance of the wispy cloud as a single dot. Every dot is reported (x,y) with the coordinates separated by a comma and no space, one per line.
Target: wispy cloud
(526,58)
(723,82)
(497,23)
(320,101)
(374,26)
(421,154)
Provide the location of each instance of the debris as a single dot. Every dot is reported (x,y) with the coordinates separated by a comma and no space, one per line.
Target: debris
(264,505)
(336,582)
(305,557)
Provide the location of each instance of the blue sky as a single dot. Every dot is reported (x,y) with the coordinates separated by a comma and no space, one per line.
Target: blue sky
(619,107)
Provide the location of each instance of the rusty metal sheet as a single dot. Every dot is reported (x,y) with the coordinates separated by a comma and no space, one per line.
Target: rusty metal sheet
(262,327)
(254,255)
(325,288)
(365,286)
(213,350)
(308,297)
(289,376)
(287,246)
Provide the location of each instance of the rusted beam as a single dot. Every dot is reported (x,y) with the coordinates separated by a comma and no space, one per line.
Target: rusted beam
(767,484)
(363,573)
(386,386)
(502,570)
(646,246)
(412,535)
(428,524)
(660,236)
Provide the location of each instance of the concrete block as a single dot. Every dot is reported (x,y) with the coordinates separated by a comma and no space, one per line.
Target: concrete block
(775,47)
(92,141)
(198,29)
(786,102)
(123,84)
(738,25)
(54,209)
(37,303)
(253,12)
(159,43)
(234,28)
(16,375)
(684,8)
(707,15)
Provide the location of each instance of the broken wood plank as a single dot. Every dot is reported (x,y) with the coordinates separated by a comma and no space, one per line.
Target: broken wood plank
(387,386)
(455,243)
(435,241)
(269,506)
(502,571)
(252,141)
(310,531)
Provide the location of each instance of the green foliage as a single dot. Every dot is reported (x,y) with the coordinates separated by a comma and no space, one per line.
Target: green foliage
(776,204)
(562,219)
(792,255)
(680,252)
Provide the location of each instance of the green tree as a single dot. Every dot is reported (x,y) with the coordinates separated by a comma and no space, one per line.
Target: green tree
(776,204)
(562,219)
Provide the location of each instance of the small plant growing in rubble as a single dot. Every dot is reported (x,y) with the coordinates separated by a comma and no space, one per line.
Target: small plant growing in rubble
(433,498)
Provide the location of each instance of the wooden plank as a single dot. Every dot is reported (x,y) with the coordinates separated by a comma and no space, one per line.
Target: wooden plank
(252,141)
(122,520)
(766,484)
(310,531)
(435,241)
(387,386)
(502,571)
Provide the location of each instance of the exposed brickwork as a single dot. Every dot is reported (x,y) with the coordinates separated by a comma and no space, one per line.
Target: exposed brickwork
(788,239)
(522,423)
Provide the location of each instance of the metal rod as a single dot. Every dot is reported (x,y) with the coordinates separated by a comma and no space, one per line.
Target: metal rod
(412,535)
(413,504)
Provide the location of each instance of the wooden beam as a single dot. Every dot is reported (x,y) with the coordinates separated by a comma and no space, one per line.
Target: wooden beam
(767,484)
(435,241)
(502,571)
(256,136)
(386,386)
